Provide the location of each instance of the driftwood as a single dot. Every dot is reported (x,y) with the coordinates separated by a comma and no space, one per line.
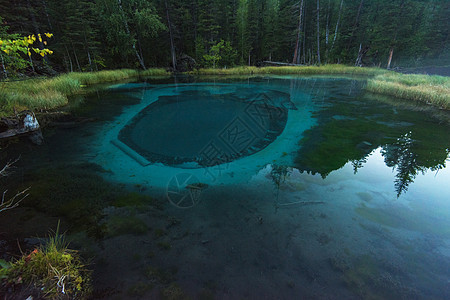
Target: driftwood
(276,63)
(25,122)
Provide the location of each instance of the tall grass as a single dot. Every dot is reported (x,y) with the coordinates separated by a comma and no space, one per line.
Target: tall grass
(433,90)
(301,70)
(48,93)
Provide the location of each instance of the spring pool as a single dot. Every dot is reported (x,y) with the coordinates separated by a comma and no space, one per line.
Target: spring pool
(277,187)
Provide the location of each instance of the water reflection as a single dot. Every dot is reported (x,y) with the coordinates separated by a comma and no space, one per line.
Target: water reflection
(350,127)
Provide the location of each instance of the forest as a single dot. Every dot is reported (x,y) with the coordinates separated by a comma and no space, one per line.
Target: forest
(90,35)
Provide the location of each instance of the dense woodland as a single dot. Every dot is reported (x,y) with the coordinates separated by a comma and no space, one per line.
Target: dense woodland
(97,34)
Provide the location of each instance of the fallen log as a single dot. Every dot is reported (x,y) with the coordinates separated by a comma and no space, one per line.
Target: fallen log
(28,124)
(276,63)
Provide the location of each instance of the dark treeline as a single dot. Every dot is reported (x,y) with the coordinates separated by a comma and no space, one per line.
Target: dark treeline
(98,34)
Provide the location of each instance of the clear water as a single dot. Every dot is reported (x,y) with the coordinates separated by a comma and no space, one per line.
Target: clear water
(339,195)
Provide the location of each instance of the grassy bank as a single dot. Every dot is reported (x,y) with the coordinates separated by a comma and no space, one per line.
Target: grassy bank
(304,70)
(433,90)
(48,93)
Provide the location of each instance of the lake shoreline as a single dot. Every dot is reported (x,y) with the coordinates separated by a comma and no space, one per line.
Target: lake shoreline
(45,94)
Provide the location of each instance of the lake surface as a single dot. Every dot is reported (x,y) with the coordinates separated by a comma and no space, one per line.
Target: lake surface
(261,188)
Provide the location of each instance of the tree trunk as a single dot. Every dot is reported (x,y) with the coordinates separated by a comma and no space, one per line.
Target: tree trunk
(358,59)
(68,56)
(76,58)
(318,34)
(36,29)
(89,59)
(297,45)
(172,46)
(3,65)
(31,62)
(88,53)
(304,37)
(391,52)
(127,29)
(46,14)
(327,28)
(337,24)
(349,44)
(327,32)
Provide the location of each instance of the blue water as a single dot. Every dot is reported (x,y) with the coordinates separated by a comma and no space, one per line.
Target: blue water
(312,189)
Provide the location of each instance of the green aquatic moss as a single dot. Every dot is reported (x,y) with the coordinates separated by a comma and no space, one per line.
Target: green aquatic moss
(134,199)
(120,225)
(75,192)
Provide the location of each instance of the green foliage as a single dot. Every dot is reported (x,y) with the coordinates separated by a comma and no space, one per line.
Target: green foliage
(92,34)
(13,49)
(54,270)
(220,55)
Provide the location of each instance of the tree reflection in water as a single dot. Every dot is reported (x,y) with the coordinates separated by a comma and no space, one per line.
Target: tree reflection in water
(401,156)
(349,129)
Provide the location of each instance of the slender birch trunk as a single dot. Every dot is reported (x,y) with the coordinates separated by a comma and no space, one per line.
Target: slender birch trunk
(127,29)
(3,65)
(391,51)
(68,56)
(36,30)
(337,24)
(172,47)
(318,34)
(304,37)
(76,58)
(298,43)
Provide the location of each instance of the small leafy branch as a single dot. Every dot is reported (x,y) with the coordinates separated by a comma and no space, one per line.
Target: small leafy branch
(13,48)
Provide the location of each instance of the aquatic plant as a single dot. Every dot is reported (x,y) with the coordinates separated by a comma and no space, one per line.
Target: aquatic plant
(51,271)
(73,191)
(136,200)
(119,225)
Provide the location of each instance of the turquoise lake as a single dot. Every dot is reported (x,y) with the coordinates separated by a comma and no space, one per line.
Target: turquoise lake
(277,187)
